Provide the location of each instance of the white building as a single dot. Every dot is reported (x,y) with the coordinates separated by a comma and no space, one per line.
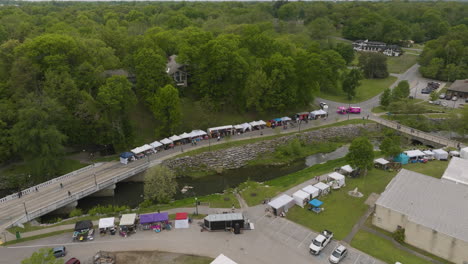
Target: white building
(433,212)
(457,171)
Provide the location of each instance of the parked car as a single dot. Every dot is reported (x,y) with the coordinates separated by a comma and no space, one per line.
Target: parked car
(448,97)
(59,251)
(338,254)
(454,98)
(466,100)
(320,242)
(444,104)
(73,261)
(437,102)
(426,91)
(442,96)
(324,106)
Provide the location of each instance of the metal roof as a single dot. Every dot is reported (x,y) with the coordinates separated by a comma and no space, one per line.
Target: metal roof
(457,171)
(459,86)
(430,202)
(224,217)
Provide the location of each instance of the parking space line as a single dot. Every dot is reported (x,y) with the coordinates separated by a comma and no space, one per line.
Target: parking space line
(292,233)
(304,239)
(357,259)
(276,218)
(260,218)
(279,230)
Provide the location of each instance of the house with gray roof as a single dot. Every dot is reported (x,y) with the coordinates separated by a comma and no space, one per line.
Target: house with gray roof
(459,88)
(177,71)
(433,213)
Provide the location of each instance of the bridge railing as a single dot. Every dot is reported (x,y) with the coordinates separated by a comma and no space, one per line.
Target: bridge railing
(47,183)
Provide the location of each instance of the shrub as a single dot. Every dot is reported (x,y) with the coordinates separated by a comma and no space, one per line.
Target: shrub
(76,212)
(399,235)
(145,204)
(107,210)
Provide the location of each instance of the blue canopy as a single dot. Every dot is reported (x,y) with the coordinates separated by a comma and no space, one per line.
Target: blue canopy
(277,119)
(316,203)
(402,158)
(126,155)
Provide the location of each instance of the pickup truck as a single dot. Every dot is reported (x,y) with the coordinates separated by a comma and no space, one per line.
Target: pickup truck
(320,242)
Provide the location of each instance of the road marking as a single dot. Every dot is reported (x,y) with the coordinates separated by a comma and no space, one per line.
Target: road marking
(357,259)
(292,233)
(276,218)
(279,230)
(304,239)
(260,218)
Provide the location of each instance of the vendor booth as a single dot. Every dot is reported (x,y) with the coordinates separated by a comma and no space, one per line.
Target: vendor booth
(440,154)
(181,220)
(303,116)
(346,170)
(107,224)
(301,198)
(464,153)
(324,189)
(175,138)
(258,124)
(337,180)
(401,158)
(83,231)
(429,155)
(220,131)
(381,163)
(141,152)
(318,114)
(281,204)
(312,191)
(224,221)
(166,141)
(221,259)
(315,206)
(454,153)
(156,145)
(415,155)
(126,157)
(243,127)
(127,224)
(154,221)
(285,119)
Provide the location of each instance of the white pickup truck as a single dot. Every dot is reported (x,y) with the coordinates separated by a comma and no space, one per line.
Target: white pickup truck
(320,242)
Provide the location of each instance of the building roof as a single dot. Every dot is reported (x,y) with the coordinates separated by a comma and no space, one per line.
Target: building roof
(459,86)
(172,65)
(221,259)
(281,201)
(457,171)
(224,217)
(430,202)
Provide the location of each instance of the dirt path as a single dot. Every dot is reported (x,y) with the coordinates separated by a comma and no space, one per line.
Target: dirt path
(149,257)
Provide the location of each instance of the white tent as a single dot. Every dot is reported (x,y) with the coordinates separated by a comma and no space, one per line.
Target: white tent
(141,149)
(301,198)
(286,118)
(414,153)
(428,154)
(156,144)
(457,171)
(381,161)
(464,153)
(324,188)
(261,122)
(346,169)
(166,141)
(312,191)
(338,178)
(197,133)
(175,138)
(454,153)
(281,204)
(127,220)
(440,154)
(106,222)
(221,259)
(228,127)
(184,135)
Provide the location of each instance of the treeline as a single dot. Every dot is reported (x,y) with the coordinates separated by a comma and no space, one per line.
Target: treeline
(58,60)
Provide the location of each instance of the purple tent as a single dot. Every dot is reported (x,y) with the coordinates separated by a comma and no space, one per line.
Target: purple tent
(154,217)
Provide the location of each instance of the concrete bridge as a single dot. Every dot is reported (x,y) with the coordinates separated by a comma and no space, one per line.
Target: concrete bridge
(68,189)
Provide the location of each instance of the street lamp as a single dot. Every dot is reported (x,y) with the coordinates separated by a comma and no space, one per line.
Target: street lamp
(95,181)
(24,204)
(196,206)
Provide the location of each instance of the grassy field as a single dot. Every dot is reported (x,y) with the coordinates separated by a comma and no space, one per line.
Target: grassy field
(433,168)
(378,109)
(368,89)
(383,249)
(402,63)
(339,205)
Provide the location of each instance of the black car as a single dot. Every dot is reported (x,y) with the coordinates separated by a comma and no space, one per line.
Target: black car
(426,91)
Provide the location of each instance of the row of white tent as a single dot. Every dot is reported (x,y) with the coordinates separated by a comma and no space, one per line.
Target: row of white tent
(244,126)
(167,141)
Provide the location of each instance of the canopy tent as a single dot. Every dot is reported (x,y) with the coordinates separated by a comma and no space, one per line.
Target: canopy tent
(301,198)
(285,118)
(316,203)
(85,224)
(454,153)
(312,191)
(223,221)
(381,161)
(184,135)
(156,144)
(257,123)
(401,158)
(221,259)
(166,141)
(181,220)
(106,222)
(175,138)
(141,149)
(127,220)
(440,154)
(277,119)
(214,129)
(428,154)
(414,153)
(281,204)
(153,218)
(346,169)
(464,153)
(338,178)
(125,156)
(197,133)
(324,188)
(243,126)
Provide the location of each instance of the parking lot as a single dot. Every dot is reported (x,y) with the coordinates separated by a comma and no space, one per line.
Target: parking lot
(298,238)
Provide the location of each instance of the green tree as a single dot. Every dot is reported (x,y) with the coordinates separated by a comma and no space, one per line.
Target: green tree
(401,91)
(150,72)
(361,154)
(346,51)
(386,97)
(321,28)
(166,108)
(434,96)
(160,184)
(43,256)
(391,145)
(257,89)
(351,81)
(374,65)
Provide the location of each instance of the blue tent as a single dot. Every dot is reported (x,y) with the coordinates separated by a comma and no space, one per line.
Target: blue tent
(126,155)
(277,119)
(316,203)
(402,158)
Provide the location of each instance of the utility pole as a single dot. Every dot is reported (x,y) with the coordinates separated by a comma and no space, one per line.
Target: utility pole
(196,206)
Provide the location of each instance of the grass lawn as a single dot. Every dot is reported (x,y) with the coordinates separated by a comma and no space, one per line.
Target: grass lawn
(402,63)
(378,109)
(368,89)
(36,237)
(383,249)
(339,205)
(433,168)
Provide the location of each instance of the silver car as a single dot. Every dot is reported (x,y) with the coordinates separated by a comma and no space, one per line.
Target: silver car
(338,254)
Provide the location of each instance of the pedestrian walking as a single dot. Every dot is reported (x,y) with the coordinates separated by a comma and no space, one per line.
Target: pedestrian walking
(69,193)
(61,185)
(36,189)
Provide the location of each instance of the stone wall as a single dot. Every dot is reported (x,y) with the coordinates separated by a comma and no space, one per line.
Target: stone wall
(237,157)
